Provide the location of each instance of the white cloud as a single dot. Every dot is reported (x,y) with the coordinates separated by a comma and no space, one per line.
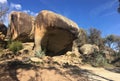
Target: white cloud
(104,7)
(30,12)
(26,11)
(3,1)
(16,6)
(33,13)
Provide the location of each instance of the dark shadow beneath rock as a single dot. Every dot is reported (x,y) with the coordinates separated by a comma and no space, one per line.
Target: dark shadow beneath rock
(8,70)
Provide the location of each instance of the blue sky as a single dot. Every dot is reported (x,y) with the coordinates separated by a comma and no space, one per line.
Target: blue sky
(100,14)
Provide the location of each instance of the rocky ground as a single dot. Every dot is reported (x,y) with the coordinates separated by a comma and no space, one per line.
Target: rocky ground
(24,67)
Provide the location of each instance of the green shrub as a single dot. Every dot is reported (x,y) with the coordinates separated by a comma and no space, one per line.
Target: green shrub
(40,53)
(116,61)
(116,55)
(15,46)
(97,59)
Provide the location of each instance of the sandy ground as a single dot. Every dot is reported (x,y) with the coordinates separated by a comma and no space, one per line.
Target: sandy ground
(101,74)
(18,71)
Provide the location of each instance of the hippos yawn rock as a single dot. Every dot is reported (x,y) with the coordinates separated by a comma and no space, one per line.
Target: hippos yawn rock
(54,33)
(21,27)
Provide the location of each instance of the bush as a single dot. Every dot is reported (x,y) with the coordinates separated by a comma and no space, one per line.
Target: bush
(40,53)
(116,61)
(117,55)
(82,37)
(97,59)
(94,37)
(15,46)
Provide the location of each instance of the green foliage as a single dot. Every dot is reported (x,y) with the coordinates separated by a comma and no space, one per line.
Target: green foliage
(117,55)
(116,61)
(112,41)
(97,59)
(15,46)
(82,37)
(94,37)
(9,42)
(40,53)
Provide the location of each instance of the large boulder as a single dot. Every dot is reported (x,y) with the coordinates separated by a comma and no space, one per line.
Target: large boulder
(3,31)
(81,40)
(54,32)
(87,49)
(21,27)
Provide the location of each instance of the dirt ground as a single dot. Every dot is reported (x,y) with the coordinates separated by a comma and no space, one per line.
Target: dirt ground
(14,68)
(102,74)
(18,71)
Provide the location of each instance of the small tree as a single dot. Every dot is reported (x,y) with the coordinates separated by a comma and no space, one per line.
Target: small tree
(96,59)
(118,43)
(94,37)
(112,41)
